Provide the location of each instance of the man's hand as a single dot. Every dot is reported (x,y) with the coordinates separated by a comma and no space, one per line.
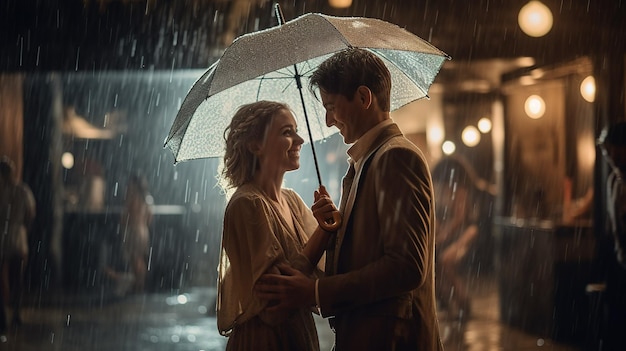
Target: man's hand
(290,289)
(325,211)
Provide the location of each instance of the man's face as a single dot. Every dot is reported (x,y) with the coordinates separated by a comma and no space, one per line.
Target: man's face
(343,114)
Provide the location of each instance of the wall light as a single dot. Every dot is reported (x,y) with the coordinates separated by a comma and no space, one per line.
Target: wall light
(535,19)
(470,136)
(340,4)
(588,89)
(484,125)
(535,107)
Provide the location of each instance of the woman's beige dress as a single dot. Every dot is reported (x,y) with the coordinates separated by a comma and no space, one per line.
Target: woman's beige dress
(256,238)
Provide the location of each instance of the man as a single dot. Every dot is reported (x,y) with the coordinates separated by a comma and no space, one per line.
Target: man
(613,144)
(378,289)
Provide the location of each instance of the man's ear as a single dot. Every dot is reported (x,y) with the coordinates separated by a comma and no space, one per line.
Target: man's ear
(364,94)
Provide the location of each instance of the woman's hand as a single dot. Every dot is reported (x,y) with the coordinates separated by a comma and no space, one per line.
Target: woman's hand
(325,210)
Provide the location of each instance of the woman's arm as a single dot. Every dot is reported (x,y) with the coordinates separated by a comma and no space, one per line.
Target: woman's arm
(323,209)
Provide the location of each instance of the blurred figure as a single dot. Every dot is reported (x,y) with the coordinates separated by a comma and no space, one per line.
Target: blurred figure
(17,211)
(136,220)
(613,146)
(458,209)
(135,224)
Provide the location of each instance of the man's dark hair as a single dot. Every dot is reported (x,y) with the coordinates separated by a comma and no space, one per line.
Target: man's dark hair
(348,69)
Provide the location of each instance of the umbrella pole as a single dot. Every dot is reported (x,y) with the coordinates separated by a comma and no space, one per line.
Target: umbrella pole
(334,223)
(308,126)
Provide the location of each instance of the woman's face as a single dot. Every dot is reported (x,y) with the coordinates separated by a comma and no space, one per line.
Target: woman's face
(280,149)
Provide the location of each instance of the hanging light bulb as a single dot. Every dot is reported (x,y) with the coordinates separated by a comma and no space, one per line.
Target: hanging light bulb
(535,107)
(588,89)
(340,4)
(470,136)
(448,147)
(535,19)
(484,125)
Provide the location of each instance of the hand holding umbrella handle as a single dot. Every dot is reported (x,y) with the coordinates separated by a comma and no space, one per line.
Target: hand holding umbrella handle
(321,208)
(333,224)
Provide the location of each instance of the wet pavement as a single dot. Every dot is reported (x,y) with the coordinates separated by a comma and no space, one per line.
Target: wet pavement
(186,322)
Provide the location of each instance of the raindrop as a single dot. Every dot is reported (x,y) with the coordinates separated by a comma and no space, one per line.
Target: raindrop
(77,58)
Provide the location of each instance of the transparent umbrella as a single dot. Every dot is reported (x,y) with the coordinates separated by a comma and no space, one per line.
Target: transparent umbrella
(276,63)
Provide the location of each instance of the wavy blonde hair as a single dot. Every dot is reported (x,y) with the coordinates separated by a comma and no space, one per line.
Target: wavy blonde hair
(249,124)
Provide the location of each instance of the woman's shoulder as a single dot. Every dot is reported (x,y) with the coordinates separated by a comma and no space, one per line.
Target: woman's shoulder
(245,196)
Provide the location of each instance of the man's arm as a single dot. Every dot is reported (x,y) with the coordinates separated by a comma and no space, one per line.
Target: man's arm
(404,201)
(405,204)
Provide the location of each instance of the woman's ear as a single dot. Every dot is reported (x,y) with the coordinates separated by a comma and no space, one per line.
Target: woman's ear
(364,94)
(254,147)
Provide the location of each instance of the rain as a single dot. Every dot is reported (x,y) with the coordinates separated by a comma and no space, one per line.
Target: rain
(90,90)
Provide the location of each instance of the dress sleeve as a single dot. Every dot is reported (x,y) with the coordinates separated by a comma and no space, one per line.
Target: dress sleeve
(249,249)
(308,224)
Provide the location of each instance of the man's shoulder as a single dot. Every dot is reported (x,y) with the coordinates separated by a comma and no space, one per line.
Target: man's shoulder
(402,146)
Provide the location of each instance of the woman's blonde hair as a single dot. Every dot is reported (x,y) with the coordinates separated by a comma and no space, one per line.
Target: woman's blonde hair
(249,124)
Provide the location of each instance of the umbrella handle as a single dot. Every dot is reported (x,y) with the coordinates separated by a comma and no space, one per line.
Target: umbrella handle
(332,224)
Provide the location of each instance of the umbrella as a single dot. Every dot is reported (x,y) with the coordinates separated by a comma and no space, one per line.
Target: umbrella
(276,63)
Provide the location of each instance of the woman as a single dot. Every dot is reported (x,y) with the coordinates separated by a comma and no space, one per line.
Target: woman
(266,225)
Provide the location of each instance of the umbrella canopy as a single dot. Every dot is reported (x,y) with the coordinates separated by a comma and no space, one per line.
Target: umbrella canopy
(275,64)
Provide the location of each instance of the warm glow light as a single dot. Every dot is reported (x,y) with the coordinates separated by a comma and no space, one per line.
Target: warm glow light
(588,89)
(535,107)
(484,125)
(470,136)
(340,4)
(67,160)
(448,147)
(435,134)
(535,19)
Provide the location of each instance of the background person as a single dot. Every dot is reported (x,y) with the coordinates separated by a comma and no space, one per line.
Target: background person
(613,243)
(17,212)
(461,220)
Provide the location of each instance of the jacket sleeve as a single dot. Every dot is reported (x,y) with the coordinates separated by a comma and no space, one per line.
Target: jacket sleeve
(403,196)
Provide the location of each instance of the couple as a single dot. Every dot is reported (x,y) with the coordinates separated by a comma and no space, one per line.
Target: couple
(378,284)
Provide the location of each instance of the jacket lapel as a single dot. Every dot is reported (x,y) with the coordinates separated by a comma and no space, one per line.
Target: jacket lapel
(385,135)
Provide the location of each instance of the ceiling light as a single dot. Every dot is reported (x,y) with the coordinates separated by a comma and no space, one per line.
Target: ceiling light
(470,136)
(448,147)
(340,4)
(484,125)
(535,19)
